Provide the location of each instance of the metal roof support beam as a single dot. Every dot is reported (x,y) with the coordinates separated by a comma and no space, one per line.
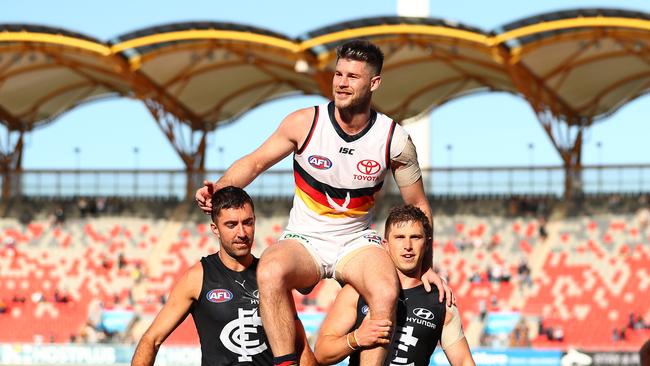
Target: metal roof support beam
(11,156)
(185,131)
(567,140)
(189,144)
(561,123)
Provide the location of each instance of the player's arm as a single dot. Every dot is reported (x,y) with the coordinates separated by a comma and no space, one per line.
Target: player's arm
(186,290)
(291,132)
(408,177)
(337,340)
(453,340)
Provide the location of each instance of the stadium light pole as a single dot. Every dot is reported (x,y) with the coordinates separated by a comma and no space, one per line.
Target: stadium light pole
(136,166)
(450,149)
(531,162)
(77,154)
(599,146)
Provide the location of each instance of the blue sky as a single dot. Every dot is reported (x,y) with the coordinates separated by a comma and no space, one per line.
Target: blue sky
(490,129)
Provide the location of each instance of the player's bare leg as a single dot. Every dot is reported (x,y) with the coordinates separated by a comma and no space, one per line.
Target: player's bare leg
(371,272)
(283,267)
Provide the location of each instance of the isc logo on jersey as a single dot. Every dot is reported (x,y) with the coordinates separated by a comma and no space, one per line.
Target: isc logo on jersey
(219,295)
(319,162)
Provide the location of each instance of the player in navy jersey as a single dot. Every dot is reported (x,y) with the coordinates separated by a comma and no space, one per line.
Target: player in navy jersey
(422,319)
(221,294)
(342,152)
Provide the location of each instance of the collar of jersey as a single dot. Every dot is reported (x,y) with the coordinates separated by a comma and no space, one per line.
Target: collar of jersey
(339,130)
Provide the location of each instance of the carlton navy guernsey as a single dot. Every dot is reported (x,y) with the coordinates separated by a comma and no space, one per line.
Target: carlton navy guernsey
(420,318)
(227,317)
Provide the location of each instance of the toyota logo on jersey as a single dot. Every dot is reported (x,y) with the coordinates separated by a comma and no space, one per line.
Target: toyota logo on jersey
(368,167)
(423,313)
(219,295)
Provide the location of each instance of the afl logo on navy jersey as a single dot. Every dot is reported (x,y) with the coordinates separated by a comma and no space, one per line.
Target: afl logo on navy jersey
(364,309)
(219,295)
(423,313)
(320,162)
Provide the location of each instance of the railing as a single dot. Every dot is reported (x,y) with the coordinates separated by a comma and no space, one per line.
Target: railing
(539,180)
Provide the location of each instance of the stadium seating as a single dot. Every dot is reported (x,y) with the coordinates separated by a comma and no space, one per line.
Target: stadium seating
(587,276)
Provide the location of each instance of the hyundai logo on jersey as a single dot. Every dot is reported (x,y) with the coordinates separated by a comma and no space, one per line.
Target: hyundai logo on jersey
(364,309)
(219,295)
(423,313)
(320,162)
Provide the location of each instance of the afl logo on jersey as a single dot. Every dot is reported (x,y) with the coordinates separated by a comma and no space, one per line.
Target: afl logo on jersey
(319,162)
(423,313)
(364,309)
(219,295)
(368,167)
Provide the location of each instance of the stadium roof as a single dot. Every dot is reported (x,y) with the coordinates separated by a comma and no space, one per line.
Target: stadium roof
(216,71)
(585,64)
(46,71)
(427,61)
(573,68)
(580,65)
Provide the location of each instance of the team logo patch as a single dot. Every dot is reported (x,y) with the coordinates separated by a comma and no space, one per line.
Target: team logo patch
(219,295)
(423,313)
(319,162)
(364,309)
(373,238)
(368,167)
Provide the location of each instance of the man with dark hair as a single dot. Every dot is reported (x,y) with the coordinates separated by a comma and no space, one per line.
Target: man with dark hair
(342,152)
(221,294)
(422,319)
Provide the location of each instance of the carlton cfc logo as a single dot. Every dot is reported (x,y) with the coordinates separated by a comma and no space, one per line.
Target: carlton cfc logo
(219,296)
(319,162)
(368,167)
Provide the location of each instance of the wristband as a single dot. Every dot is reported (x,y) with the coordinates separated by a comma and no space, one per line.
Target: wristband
(354,335)
(347,339)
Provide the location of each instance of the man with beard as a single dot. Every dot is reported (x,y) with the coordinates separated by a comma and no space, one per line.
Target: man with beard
(221,294)
(342,153)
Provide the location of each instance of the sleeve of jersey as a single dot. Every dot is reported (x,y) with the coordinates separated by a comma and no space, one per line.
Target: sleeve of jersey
(452,332)
(402,150)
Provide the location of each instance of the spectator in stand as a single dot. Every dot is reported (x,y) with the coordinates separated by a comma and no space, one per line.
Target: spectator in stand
(523,271)
(630,321)
(61,297)
(58,217)
(639,324)
(543,234)
(3,307)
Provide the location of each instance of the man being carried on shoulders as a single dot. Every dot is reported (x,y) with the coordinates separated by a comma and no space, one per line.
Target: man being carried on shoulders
(342,151)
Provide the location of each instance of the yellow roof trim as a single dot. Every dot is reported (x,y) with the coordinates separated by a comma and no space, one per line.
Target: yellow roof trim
(571,23)
(55,39)
(205,34)
(395,29)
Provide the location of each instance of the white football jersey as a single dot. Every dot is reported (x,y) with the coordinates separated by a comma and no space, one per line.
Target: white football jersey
(338,175)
